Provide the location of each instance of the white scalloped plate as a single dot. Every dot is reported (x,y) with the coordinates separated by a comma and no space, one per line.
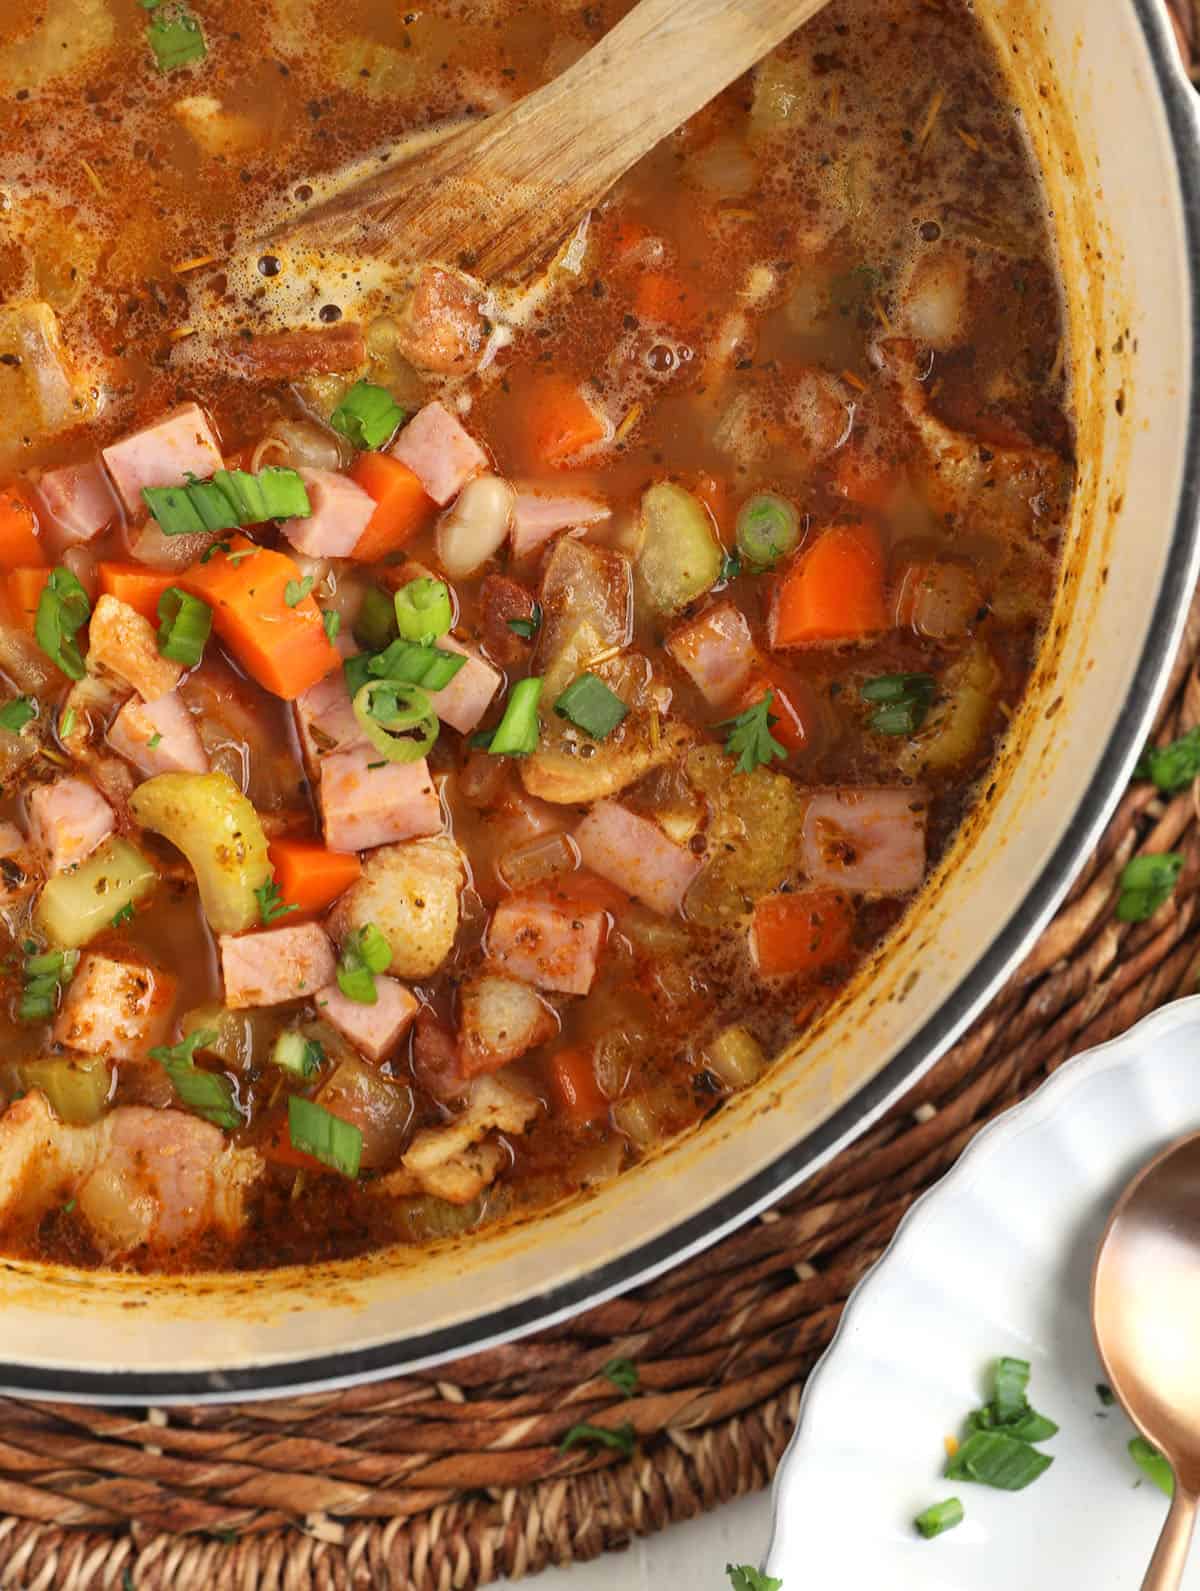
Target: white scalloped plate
(994,1260)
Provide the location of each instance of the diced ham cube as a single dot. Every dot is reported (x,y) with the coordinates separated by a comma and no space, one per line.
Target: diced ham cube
(544,940)
(67,821)
(163,454)
(463,702)
(440,452)
(122,644)
(867,839)
(366,801)
(118,1009)
(716,650)
(79,502)
(502,1018)
(537,516)
(276,965)
(634,853)
(340,511)
(376,1029)
(325,719)
(158,737)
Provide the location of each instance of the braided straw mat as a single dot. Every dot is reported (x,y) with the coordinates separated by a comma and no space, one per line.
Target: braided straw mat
(453,1479)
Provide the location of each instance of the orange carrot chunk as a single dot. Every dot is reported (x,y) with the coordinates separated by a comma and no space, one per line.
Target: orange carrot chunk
(20,542)
(402,505)
(25,587)
(665,300)
(800,933)
(832,592)
(285,649)
(561,421)
(574,1085)
(135,585)
(309,876)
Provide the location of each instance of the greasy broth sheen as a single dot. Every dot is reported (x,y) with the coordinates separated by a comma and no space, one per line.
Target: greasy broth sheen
(793,215)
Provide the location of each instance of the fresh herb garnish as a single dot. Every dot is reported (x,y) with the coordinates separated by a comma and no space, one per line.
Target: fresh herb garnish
(184,626)
(125,915)
(318,1132)
(1105,1394)
(270,902)
(590,705)
(998,1449)
(938,1519)
(217,546)
(623,1374)
(424,611)
(297,1054)
(154,741)
(44,974)
(744,1577)
(332,622)
(67,723)
(63,609)
(209,1094)
(768,528)
(902,701)
(527,628)
(1152,1465)
(750,739)
(731,567)
(368,415)
(621,1438)
(176,38)
(296,590)
(16,714)
(364,953)
(1147,883)
(397,718)
(516,735)
(1173,767)
(227,501)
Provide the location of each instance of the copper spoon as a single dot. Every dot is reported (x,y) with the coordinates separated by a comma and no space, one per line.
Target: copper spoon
(1146,1316)
(497,196)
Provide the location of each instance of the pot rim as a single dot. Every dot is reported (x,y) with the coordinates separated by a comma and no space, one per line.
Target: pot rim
(764,1188)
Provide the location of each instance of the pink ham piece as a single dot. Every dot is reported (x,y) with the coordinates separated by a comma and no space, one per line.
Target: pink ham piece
(277,965)
(78,501)
(440,452)
(716,651)
(163,454)
(551,943)
(67,821)
(158,737)
(325,719)
(463,702)
(536,516)
(340,512)
(118,1009)
(366,801)
(374,1030)
(870,839)
(633,853)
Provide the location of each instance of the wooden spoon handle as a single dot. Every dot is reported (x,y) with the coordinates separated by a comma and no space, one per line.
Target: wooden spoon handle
(1170,1556)
(501,193)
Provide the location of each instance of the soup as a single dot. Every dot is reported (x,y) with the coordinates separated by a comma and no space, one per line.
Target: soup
(455,733)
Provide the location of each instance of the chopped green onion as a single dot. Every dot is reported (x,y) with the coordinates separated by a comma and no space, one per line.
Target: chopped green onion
(621,1439)
(155,740)
(902,702)
(270,902)
(294,1053)
(994,1458)
(424,611)
(413,663)
(44,974)
(1010,1380)
(768,528)
(750,739)
(1173,767)
(364,953)
(938,1519)
(231,499)
(209,1094)
(176,39)
(376,622)
(210,553)
(1152,1465)
(296,590)
(318,1132)
(184,626)
(67,723)
(1147,883)
(745,1577)
(590,705)
(63,609)
(368,415)
(398,719)
(16,714)
(332,622)
(623,1374)
(357,670)
(125,915)
(527,628)
(516,735)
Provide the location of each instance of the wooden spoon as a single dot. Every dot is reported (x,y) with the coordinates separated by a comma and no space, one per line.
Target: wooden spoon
(1146,1313)
(497,196)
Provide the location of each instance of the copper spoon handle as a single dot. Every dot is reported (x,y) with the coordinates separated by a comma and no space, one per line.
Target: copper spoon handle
(1170,1556)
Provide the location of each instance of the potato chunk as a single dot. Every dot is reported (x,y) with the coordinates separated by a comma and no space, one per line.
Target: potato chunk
(410,892)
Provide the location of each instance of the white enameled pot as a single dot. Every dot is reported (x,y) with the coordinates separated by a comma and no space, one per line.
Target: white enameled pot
(1114,125)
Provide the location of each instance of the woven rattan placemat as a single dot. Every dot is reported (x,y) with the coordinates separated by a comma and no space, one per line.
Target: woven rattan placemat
(453,1479)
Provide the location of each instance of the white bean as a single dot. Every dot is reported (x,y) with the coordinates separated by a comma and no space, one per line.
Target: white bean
(475,527)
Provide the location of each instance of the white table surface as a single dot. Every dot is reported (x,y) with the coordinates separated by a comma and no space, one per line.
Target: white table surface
(687,1557)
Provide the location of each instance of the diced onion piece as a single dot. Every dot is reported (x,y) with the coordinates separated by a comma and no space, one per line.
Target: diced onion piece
(77,905)
(636,1120)
(736,1056)
(541,858)
(474,529)
(78,1090)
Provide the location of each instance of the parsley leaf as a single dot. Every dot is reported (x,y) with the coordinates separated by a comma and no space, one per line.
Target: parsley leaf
(270,902)
(731,567)
(901,702)
(623,1374)
(744,1577)
(621,1439)
(1147,883)
(1173,767)
(296,590)
(527,628)
(16,714)
(209,1094)
(125,915)
(332,622)
(750,739)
